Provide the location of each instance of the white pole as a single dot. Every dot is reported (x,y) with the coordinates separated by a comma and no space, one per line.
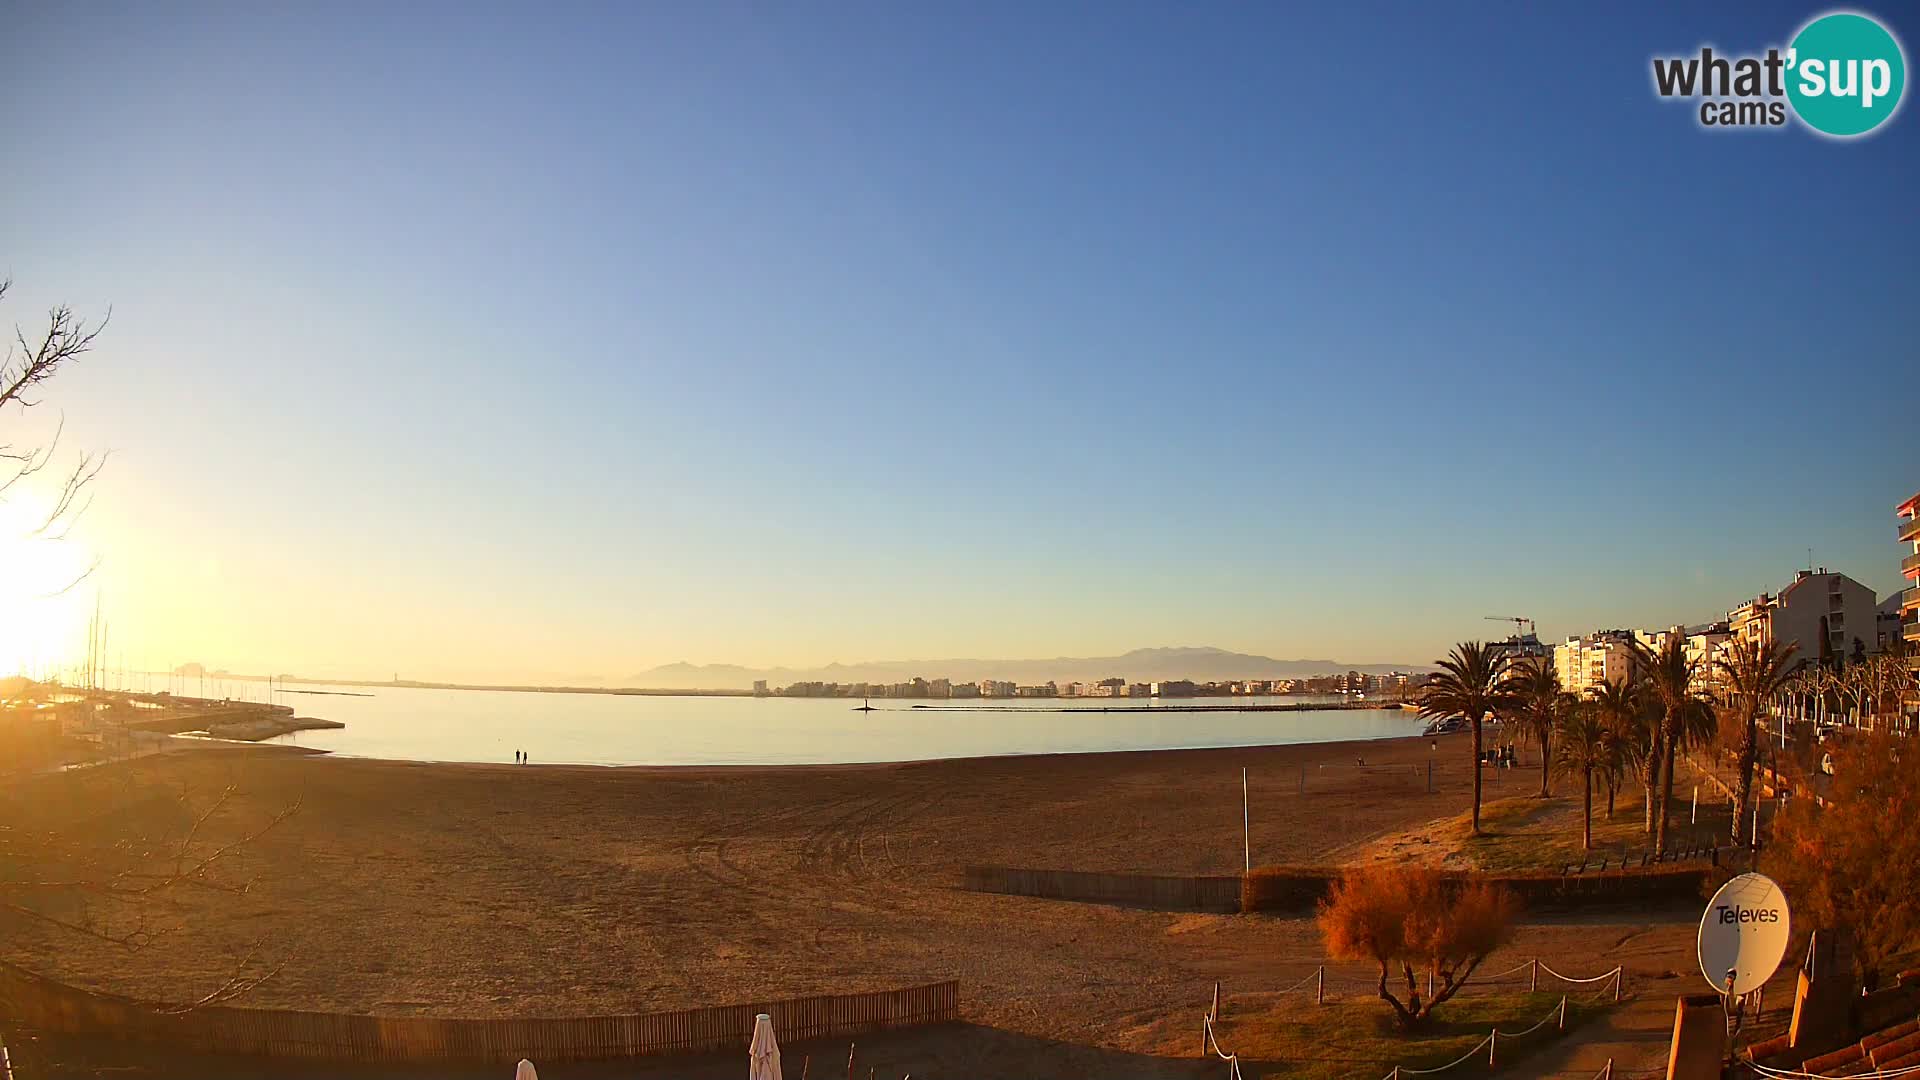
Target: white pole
(1695,820)
(1246,826)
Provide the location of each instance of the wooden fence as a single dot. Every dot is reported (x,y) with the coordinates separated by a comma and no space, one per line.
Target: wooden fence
(35,1002)
(1279,888)
(1220,893)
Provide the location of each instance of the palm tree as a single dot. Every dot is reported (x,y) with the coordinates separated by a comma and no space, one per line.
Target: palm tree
(1629,733)
(1469,684)
(1685,717)
(1583,748)
(1755,674)
(1535,702)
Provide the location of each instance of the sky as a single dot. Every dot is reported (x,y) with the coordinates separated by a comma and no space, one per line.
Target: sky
(499,343)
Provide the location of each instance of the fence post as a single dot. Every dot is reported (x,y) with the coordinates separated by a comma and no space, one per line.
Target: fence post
(1492,1038)
(1429,984)
(1533,979)
(1320,986)
(850,1049)
(1619,972)
(6,1067)
(1563,1012)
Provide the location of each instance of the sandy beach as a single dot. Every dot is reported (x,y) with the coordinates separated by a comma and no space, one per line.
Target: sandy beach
(408,888)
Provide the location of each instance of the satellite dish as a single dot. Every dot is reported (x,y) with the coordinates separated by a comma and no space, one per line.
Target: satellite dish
(1743,933)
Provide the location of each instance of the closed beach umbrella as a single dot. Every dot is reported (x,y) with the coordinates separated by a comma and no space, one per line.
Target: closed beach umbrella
(525,1071)
(763,1057)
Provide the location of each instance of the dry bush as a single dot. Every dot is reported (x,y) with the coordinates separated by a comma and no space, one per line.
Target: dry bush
(1856,863)
(1414,919)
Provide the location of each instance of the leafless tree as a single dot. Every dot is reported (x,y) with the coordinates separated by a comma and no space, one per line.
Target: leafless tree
(59,875)
(30,362)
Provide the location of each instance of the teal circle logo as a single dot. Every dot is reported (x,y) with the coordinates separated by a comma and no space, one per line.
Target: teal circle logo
(1845,74)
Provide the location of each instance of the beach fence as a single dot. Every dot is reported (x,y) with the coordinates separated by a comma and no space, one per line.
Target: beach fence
(32,1001)
(1300,889)
(1160,892)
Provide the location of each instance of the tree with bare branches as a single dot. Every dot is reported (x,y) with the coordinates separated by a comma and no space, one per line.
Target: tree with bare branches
(58,876)
(30,362)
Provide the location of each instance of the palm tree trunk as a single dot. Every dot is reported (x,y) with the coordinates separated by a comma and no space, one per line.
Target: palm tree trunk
(1586,826)
(1666,792)
(1612,783)
(1476,776)
(1749,750)
(1646,783)
(1546,758)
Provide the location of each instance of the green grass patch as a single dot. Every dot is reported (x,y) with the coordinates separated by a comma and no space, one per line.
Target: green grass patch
(1357,1037)
(1531,834)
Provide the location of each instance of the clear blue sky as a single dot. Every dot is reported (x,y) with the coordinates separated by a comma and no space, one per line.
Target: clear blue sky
(469,341)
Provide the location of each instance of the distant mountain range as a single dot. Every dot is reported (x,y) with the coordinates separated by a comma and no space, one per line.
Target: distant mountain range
(1200,663)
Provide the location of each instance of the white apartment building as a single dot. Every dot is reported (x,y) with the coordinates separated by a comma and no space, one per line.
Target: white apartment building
(1587,661)
(1703,643)
(1820,605)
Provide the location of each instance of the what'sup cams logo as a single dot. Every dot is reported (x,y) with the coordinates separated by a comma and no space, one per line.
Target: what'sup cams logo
(1843,75)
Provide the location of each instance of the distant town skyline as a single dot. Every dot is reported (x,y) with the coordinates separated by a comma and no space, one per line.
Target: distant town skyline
(577,344)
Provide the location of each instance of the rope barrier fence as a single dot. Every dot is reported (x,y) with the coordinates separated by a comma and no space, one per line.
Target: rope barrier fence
(1208,1041)
(1872,1074)
(1491,1043)
(1333,984)
(1608,982)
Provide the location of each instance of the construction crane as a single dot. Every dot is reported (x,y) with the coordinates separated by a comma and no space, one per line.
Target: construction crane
(1518,621)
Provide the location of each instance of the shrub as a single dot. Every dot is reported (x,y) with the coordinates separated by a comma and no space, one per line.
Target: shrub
(1853,863)
(1415,919)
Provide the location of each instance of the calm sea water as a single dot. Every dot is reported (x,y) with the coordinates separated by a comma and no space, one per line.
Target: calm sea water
(598,729)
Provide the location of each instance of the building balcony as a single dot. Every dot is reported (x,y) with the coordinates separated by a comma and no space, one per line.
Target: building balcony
(1910,565)
(1910,599)
(1910,529)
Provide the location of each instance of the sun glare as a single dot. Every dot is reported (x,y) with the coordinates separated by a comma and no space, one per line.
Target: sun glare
(42,612)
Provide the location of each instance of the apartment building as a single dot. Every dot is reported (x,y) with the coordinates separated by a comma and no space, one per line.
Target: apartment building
(1821,607)
(1703,643)
(1908,514)
(1589,660)
(1707,643)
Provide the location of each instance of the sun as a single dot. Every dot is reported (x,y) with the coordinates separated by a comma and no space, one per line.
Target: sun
(43,603)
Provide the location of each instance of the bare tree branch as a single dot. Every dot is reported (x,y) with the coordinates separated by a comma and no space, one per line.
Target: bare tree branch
(26,365)
(67,339)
